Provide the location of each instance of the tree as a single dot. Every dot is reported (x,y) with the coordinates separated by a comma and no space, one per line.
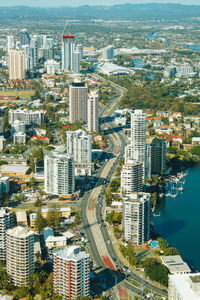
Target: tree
(172,150)
(40,222)
(195,150)
(53,218)
(38,202)
(158,273)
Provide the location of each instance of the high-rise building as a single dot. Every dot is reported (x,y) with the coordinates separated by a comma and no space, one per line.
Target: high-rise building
(138,135)
(1,126)
(35,48)
(108,52)
(17,126)
(80,50)
(6,222)
(184,287)
(20,255)
(58,173)
(28,57)
(76,62)
(158,156)
(93,112)
(78,98)
(79,146)
(71,267)
(24,37)
(136,217)
(16,64)
(131,178)
(28,117)
(67,52)
(52,66)
(10,42)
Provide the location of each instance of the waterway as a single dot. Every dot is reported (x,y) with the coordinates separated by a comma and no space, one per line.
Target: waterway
(179,220)
(192,47)
(138,63)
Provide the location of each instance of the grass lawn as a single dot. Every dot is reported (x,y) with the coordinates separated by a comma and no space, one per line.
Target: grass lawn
(20,94)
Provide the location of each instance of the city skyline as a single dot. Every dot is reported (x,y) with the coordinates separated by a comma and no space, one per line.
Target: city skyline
(51,3)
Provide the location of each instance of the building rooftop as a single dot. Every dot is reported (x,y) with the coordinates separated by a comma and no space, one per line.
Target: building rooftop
(21,216)
(4,210)
(14,168)
(20,232)
(175,264)
(137,197)
(72,253)
(186,286)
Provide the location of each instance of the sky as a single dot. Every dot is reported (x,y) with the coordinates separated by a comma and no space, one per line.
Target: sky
(53,3)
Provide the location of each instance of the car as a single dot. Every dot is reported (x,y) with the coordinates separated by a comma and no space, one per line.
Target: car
(100,215)
(108,241)
(124,269)
(129,271)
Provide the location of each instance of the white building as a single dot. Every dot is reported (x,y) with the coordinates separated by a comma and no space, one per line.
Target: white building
(79,146)
(19,138)
(26,116)
(138,135)
(10,42)
(28,57)
(131,178)
(67,52)
(76,62)
(2,142)
(20,255)
(58,173)
(71,267)
(78,101)
(93,112)
(17,126)
(184,287)
(136,217)
(52,66)
(6,222)
(108,53)
(16,64)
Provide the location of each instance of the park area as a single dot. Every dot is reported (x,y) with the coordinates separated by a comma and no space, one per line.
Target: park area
(4,95)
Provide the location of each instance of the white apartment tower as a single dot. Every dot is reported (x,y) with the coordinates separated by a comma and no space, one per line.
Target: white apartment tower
(136,217)
(16,64)
(10,42)
(131,178)
(138,135)
(20,255)
(184,287)
(108,53)
(58,173)
(93,112)
(26,116)
(6,222)
(67,52)
(76,62)
(78,98)
(71,267)
(79,146)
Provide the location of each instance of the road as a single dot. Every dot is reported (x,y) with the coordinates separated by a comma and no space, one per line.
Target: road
(92,208)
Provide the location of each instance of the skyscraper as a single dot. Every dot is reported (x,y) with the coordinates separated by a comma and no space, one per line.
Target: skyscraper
(58,173)
(71,267)
(78,98)
(20,255)
(136,217)
(6,221)
(131,178)
(108,52)
(67,52)
(16,64)
(79,146)
(93,112)
(10,43)
(158,156)
(76,62)
(138,135)
(24,37)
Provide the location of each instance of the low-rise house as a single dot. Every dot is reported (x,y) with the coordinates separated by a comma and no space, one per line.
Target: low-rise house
(196,141)
(21,218)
